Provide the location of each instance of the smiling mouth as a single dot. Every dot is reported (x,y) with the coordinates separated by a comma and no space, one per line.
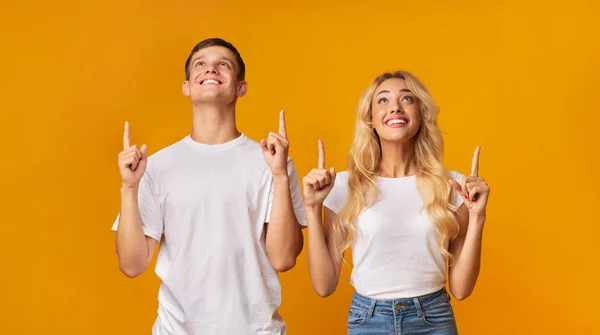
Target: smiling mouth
(396,122)
(210,82)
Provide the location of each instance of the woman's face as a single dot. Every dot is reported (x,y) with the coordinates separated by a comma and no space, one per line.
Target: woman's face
(396,114)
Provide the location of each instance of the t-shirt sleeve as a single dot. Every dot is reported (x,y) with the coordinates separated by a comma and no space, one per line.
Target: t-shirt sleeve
(337,196)
(295,192)
(457,199)
(149,207)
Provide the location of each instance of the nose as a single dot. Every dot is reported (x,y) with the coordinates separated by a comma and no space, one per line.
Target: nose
(211,69)
(396,109)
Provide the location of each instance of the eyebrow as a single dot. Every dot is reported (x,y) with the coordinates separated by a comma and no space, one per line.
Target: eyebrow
(402,90)
(221,59)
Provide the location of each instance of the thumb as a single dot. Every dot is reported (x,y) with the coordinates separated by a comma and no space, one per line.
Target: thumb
(263,145)
(332,174)
(455,185)
(141,166)
(144,150)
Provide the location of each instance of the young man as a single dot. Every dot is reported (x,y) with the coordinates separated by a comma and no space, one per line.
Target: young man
(227,210)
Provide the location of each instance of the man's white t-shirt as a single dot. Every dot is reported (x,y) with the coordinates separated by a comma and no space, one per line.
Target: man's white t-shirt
(395,253)
(208,205)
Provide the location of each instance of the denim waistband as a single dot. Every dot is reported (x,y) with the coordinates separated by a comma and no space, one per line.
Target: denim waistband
(400,305)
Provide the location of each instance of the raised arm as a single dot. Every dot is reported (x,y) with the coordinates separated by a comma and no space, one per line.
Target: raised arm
(324,264)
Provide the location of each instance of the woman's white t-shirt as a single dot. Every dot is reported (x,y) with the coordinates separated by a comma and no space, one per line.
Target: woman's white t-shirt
(395,253)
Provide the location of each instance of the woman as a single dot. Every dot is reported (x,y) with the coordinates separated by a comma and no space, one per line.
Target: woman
(404,215)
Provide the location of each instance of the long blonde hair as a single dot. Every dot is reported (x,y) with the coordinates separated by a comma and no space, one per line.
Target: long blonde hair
(365,156)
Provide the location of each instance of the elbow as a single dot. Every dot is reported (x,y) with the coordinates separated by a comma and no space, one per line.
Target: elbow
(324,290)
(461,297)
(461,294)
(284,264)
(324,293)
(130,271)
(324,287)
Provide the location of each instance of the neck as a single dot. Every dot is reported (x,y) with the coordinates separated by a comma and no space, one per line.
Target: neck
(213,124)
(397,159)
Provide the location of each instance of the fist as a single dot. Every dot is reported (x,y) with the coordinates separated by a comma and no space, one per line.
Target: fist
(318,182)
(132,161)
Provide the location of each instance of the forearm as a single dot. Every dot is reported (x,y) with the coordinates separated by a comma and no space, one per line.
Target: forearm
(465,271)
(321,265)
(131,245)
(284,236)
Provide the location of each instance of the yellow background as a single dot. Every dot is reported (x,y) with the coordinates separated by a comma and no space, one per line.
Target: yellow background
(518,78)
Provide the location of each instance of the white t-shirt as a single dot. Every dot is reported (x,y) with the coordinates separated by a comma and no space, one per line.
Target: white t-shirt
(208,205)
(395,254)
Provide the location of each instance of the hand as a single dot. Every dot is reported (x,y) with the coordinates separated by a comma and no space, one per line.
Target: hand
(132,161)
(473,189)
(275,149)
(318,182)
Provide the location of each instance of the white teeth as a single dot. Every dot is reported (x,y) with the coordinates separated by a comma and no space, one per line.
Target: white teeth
(210,81)
(397,121)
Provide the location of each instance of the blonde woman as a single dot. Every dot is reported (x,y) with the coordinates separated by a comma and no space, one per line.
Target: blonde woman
(405,216)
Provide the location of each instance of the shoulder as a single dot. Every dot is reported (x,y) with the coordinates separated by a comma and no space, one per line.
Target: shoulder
(340,185)
(250,143)
(253,150)
(166,156)
(249,148)
(336,197)
(341,177)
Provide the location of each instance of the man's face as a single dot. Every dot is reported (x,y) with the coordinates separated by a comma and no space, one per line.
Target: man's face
(213,77)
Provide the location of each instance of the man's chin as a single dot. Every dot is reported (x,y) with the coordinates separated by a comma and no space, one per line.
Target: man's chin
(209,99)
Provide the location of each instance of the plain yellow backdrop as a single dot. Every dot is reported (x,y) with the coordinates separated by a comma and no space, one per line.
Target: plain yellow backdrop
(519,78)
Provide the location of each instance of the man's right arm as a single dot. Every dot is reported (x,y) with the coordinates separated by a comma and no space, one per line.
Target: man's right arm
(134,248)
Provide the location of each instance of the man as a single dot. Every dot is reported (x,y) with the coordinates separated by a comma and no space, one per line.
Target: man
(227,210)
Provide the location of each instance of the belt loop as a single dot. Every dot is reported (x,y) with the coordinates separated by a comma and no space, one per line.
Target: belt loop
(371,308)
(418,306)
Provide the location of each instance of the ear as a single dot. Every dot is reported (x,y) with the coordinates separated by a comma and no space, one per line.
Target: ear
(185,87)
(242,88)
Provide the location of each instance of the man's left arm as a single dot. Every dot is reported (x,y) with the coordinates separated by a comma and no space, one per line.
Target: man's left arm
(284,240)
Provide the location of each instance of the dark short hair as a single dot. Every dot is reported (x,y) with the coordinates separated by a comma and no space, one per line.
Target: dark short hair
(211,42)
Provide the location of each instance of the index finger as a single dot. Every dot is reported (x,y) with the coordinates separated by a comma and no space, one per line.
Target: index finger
(126,136)
(282,130)
(475,165)
(321,155)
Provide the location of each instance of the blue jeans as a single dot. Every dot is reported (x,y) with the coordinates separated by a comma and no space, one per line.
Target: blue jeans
(430,314)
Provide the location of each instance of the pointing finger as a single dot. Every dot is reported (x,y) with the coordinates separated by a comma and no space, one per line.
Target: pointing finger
(282,130)
(475,165)
(126,136)
(321,162)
